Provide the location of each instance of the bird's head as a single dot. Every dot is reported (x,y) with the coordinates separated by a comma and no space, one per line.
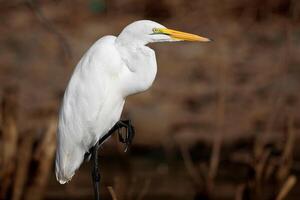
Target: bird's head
(146,31)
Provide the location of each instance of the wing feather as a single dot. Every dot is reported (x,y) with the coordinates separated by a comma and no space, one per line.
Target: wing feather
(82,102)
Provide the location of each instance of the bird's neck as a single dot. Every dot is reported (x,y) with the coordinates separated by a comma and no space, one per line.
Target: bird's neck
(141,63)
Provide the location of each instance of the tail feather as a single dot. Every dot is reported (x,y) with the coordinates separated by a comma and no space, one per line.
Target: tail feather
(67,162)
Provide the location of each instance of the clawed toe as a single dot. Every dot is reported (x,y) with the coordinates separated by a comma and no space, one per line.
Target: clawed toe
(127,136)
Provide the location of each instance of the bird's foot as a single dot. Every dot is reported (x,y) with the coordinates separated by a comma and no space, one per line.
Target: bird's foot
(127,136)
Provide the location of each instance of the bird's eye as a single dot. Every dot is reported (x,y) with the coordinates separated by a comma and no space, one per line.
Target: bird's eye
(155,30)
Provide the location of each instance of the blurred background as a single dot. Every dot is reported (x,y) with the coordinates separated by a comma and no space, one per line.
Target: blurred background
(221,121)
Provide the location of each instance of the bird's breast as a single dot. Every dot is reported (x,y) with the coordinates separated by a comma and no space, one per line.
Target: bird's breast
(141,69)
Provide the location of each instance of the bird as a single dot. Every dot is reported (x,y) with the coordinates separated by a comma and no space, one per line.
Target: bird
(112,69)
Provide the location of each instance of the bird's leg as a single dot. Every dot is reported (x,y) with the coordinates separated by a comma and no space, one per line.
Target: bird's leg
(95,170)
(127,140)
(129,132)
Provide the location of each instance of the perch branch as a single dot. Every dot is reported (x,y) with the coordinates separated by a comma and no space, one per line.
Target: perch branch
(50,28)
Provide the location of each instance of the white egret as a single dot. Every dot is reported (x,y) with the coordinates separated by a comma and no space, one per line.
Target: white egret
(112,69)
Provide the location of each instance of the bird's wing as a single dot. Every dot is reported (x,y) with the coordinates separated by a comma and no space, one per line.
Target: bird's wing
(83,99)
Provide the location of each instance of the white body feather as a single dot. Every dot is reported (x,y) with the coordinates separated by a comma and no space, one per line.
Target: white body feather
(95,96)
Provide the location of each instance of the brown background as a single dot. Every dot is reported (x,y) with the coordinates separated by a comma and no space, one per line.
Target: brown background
(221,121)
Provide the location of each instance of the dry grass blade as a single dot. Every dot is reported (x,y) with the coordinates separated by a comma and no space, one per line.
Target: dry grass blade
(191,169)
(23,163)
(260,143)
(287,156)
(10,139)
(286,188)
(239,192)
(220,124)
(44,161)
(214,161)
(112,193)
(260,166)
(260,170)
(144,190)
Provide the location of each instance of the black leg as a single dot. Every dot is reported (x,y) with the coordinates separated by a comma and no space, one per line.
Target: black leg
(95,171)
(127,140)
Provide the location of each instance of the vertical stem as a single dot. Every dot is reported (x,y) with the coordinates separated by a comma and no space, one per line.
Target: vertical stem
(9,135)
(43,156)
(217,143)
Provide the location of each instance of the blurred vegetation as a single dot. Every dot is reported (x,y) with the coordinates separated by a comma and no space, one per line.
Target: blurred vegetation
(221,121)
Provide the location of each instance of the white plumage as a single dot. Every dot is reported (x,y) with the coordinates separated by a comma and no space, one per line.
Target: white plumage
(112,69)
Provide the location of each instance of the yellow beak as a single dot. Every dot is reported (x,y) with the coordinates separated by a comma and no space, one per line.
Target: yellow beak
(183,36)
